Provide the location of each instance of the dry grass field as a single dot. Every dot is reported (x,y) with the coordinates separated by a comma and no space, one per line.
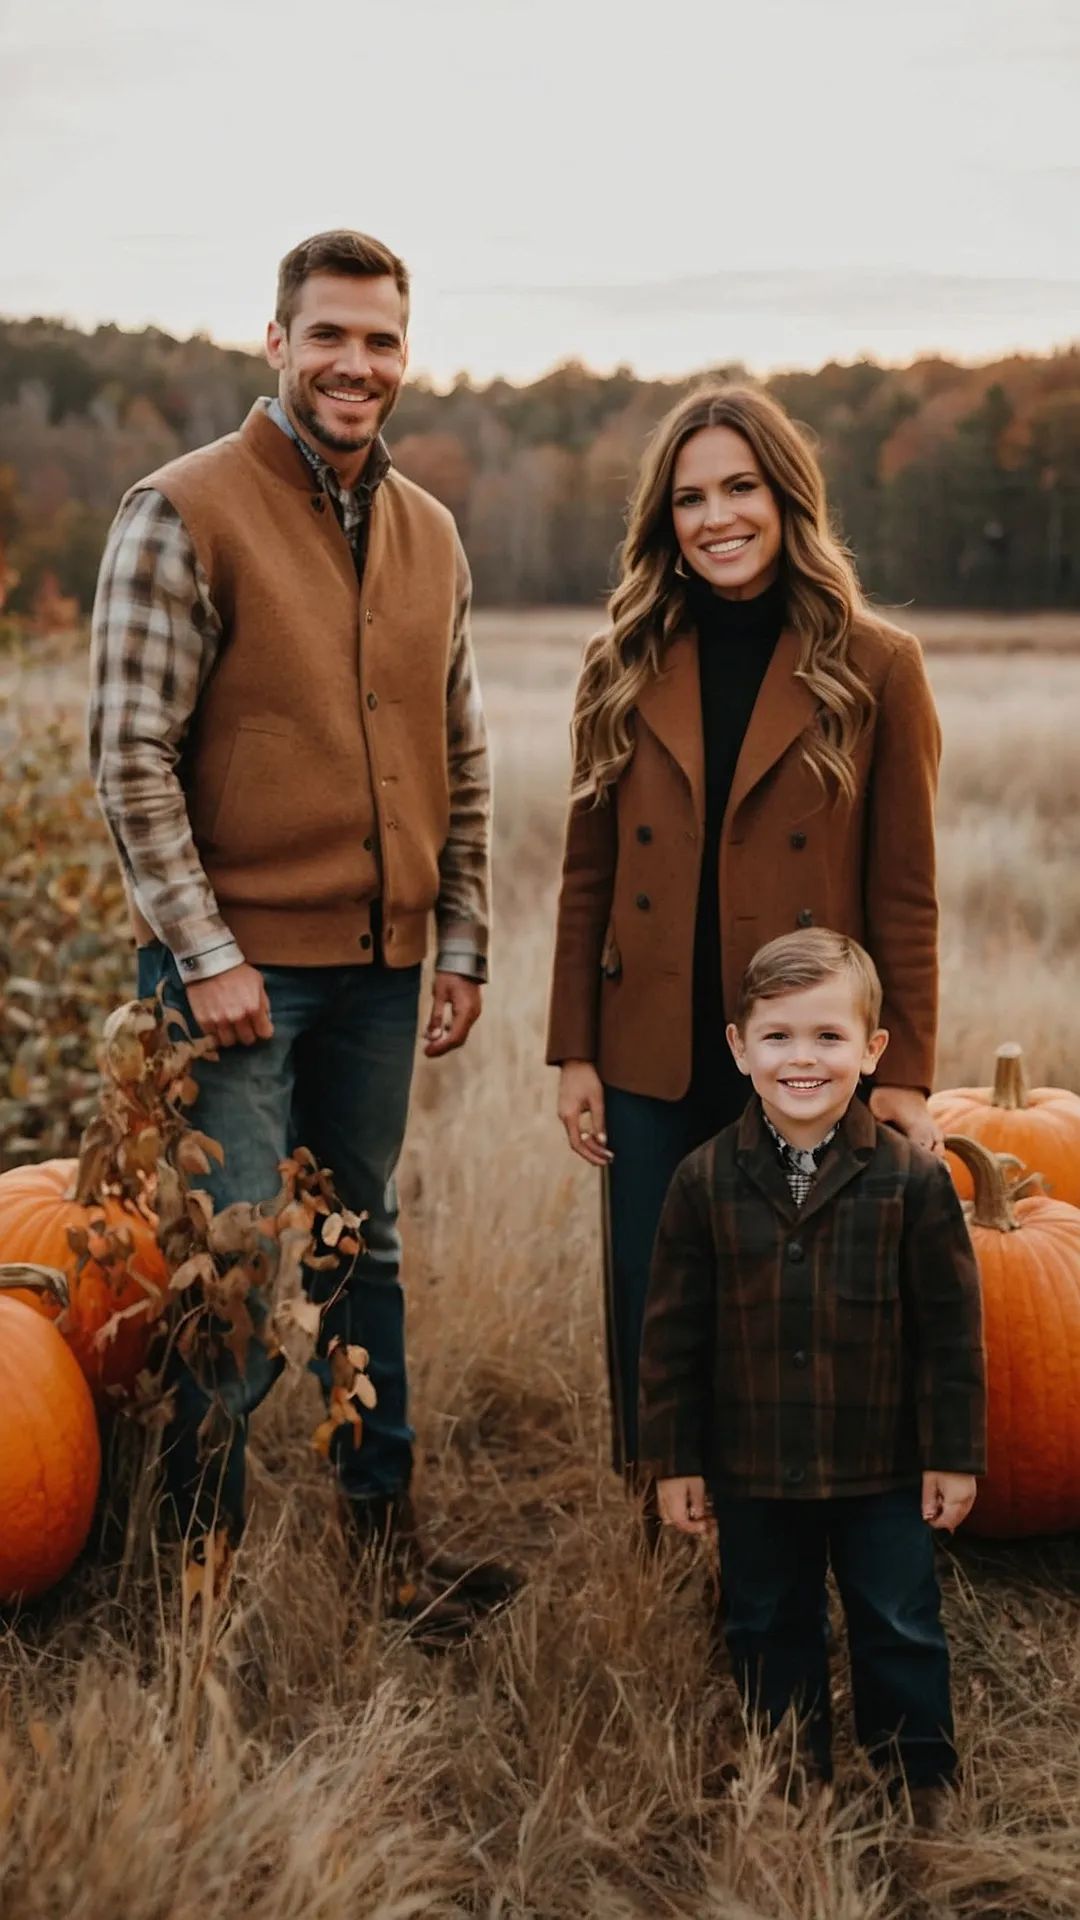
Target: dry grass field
(283,1758)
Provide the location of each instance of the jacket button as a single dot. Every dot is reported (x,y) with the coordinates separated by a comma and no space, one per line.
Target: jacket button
(372,701)
(798,841)
(644,834)
(801,1358)
(365,941)
(643,902)
(805,918)
(794,1476)
(369,844)
(796,1251)
(318,503)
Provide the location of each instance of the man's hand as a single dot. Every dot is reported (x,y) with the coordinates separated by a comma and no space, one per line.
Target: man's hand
(906,1109)
(232,1006)
(683,1503)
(455,1009)
(947,1498)
(581,1110)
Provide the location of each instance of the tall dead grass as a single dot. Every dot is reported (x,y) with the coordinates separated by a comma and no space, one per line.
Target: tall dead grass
(283,1756)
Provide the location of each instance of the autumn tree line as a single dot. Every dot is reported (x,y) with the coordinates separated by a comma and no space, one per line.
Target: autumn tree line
(954,485)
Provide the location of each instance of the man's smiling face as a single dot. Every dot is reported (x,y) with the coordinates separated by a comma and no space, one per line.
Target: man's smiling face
(341,363)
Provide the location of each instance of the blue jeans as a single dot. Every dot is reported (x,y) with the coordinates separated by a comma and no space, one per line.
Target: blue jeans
(648,1138)
(774,1555)
(335,1077)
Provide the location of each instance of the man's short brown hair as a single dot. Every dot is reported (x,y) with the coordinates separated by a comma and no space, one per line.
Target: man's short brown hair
(797,961)
(339,251)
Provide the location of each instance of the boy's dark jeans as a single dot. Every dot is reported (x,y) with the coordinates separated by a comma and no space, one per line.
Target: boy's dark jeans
(774,1555)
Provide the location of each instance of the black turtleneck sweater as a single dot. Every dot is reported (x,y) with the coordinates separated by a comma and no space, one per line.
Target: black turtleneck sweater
(736,639)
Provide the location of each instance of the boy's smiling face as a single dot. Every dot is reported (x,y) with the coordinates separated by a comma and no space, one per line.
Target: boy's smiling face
(804,1053)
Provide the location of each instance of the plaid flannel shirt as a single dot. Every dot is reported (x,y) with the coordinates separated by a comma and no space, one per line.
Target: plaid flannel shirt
(807,1351)
(155,639)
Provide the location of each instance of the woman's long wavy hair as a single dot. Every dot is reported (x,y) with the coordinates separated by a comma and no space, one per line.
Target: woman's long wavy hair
(651,604)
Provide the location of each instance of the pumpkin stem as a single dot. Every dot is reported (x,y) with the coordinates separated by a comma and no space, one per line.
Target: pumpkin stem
(993,1205)
(31,1278)
(1010,1081)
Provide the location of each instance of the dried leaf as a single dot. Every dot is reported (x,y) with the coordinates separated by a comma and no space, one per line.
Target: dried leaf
(198,1269)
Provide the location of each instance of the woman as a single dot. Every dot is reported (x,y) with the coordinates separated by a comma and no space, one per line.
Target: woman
(754,750)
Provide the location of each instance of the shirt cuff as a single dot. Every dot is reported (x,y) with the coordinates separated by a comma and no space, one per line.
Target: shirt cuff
(464,960)
(213,960)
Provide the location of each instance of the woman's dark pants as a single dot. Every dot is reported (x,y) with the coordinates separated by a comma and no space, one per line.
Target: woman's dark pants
(774,1555)
(648,1139)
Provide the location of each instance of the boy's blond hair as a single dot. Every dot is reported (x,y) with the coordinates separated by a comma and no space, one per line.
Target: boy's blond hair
(797,961)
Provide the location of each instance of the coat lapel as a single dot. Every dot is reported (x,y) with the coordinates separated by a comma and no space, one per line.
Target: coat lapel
(670,705)
(760,1161)
(783,709)
(847,1156)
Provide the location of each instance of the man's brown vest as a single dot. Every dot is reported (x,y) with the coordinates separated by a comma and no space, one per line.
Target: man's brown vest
(316,768)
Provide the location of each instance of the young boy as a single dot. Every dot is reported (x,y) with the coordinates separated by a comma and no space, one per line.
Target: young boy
(812,1368)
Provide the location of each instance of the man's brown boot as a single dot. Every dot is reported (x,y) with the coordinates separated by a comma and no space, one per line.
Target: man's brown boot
(438,1596)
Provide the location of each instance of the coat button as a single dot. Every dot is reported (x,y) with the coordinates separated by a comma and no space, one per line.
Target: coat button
(369,844)
(801,1358)
(372,701)
(798,841)
(318,503)
(796,1251)
(644,834)
(365,941)
(805,918)
(643,902)
(794,1476)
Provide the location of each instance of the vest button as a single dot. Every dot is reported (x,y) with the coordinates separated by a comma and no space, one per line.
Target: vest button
(644,834)
(798,841)
(365,941)
(801,1358)
(804,918)
(318,503)
(369,844)
(372,701)
(796,1252)
(643,902)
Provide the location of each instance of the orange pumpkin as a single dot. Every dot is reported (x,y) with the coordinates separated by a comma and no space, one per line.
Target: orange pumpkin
(1029,1259)
(38,1204)
(1040,1125)
(50,1455)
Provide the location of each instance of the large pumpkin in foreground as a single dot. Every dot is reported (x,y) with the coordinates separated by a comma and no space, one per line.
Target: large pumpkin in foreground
(38,1204)
(1028,1252)
(50,1455)
(1040,1125)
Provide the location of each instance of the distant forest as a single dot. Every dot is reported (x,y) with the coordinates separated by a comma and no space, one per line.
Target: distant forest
(954,485)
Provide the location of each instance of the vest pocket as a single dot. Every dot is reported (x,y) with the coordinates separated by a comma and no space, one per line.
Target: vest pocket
(246,820)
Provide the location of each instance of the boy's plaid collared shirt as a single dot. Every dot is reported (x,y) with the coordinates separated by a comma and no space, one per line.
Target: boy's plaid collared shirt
(156,637)
(805,1351)
(800,1164)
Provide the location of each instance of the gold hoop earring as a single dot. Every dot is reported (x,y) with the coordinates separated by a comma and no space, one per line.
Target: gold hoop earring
(680,568)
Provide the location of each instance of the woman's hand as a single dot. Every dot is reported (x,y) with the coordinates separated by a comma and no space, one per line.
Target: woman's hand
(684,1503)
(906,1109)
(581,1110)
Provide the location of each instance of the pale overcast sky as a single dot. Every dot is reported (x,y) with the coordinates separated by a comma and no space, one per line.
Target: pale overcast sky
(672,185)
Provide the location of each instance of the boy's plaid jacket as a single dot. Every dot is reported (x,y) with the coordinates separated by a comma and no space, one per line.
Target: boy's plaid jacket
(805,1352)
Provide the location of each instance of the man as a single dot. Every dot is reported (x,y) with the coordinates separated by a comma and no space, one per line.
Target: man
(288,743)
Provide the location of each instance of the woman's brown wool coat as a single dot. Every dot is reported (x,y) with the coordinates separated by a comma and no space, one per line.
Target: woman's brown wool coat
(792,854)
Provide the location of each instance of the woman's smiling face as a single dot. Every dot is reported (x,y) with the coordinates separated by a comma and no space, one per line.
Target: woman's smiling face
(727,521)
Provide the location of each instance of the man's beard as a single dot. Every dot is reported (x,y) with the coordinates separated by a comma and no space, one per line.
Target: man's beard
(307,417)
